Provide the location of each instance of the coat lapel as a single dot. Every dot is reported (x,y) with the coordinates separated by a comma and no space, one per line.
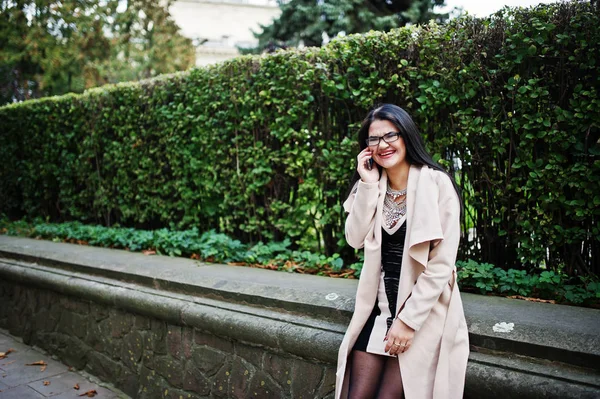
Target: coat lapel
(423,214)
(379,213)
(423,225)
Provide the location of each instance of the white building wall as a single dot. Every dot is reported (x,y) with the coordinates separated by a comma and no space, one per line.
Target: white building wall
(218,27)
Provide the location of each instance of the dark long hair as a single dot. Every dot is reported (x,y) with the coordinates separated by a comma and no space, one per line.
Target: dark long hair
(416,154)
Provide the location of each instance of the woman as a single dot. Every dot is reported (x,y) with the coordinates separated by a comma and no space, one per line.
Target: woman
(408,336)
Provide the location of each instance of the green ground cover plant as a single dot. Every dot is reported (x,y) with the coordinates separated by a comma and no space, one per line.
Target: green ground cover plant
(485,278)
(261,148)
(211,246)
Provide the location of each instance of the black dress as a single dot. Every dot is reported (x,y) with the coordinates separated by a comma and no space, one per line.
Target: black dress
(381,318)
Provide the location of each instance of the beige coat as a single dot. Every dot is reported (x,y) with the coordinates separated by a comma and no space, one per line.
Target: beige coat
(435,364)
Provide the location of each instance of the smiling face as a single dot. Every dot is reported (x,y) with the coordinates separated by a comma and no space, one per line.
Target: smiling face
(388,155)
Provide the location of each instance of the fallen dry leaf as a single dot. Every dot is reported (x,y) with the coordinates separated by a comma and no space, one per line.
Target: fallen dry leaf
(11,362)
(90,394)
(38,363)
(3,354)
(149,252)
(237,263)
(76,386)
(46,383)
(532,299)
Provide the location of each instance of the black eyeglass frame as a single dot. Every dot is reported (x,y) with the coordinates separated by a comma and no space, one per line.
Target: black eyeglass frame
(391,137)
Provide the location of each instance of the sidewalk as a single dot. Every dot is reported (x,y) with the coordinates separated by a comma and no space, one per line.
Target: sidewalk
(55,380)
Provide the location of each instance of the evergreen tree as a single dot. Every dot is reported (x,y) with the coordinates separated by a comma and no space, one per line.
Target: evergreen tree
(308,22)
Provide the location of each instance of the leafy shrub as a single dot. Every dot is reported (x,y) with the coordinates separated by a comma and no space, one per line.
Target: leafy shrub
(251,150)
(486,278)
(581,294)
(263,253)
(357,266)
(480,275)
(219,247)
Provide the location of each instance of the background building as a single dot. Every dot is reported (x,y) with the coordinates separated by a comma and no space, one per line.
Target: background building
(218,27)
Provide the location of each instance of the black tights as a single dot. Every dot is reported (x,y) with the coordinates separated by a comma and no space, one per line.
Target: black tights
(374,376)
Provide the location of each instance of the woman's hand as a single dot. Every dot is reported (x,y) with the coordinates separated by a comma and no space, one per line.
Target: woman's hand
(399,338)
(366,175)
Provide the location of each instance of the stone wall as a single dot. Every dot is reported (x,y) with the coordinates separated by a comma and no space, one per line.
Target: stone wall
(171,327)
(149,358)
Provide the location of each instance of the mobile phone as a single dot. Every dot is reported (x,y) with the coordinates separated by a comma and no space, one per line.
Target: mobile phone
(370,164)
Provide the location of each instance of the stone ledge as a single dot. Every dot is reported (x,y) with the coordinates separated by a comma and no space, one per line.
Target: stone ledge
(505,375)
(292,292)
(554,332)
(289,313)
(247,324)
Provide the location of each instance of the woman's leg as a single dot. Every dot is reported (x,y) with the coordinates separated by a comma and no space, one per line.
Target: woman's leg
(391,382)
(365,374)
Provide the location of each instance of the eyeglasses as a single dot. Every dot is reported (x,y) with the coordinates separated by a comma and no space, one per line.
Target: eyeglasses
(390,137)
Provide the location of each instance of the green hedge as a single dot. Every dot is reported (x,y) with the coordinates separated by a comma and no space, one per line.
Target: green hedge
(262,147)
